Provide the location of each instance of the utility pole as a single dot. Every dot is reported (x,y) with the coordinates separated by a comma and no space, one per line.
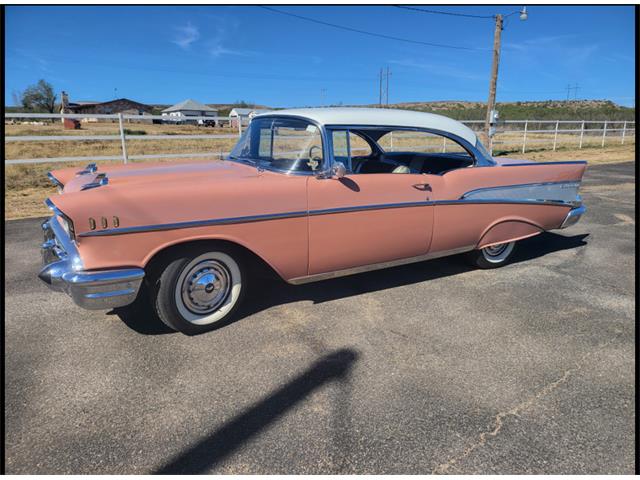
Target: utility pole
(491,104)
(575,91)
(380,101)
(387,90)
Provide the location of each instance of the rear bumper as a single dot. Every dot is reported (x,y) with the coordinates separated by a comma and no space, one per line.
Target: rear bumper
(573,216)
(94,290)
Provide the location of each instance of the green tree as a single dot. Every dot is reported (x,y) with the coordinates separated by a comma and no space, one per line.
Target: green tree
(39,97)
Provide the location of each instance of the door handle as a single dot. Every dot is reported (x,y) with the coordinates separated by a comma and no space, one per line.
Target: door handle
(422,186)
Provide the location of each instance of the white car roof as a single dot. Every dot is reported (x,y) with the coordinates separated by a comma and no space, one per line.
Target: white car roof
(388,117)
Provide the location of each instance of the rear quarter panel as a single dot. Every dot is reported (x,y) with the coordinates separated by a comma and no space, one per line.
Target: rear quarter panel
(466,224)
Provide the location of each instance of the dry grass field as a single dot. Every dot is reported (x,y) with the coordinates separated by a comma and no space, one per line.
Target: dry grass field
(26,186)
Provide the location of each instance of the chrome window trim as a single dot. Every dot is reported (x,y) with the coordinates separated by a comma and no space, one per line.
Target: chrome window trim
(310,213)
(479,160)
(370,142)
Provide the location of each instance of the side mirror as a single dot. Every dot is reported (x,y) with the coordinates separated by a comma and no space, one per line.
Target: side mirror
(338,170)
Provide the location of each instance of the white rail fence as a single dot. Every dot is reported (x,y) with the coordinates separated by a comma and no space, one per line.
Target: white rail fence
(511,135)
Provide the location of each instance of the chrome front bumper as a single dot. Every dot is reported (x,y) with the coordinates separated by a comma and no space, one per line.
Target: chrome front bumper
(573,216)
(93,290)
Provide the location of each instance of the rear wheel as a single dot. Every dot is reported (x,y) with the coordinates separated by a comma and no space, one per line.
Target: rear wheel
(199,288)
(492,257)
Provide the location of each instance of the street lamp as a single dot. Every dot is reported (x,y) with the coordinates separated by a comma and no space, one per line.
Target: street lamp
(523,14)
(491,103)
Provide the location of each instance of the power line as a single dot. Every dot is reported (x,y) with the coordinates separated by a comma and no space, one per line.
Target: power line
(372,34)
(424,10)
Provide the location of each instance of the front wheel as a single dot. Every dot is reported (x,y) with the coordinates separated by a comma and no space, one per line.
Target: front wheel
(492,257)
(199,288)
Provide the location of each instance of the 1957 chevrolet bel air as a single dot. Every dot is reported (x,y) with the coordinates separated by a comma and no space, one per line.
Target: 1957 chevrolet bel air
(312,194)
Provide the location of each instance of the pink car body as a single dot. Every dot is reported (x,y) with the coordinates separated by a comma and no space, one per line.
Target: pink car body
(306,227)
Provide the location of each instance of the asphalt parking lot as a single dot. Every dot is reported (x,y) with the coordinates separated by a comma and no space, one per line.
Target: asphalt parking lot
(431,367)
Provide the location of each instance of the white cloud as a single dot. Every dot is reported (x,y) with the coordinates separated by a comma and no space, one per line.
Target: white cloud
(186,35)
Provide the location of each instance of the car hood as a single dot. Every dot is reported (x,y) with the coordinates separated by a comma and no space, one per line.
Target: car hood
(139,175)
(173,193)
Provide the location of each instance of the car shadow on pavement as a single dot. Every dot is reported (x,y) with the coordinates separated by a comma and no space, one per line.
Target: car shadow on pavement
(211,450)
(273,291)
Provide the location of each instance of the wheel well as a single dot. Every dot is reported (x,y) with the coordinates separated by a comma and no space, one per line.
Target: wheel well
(253,261)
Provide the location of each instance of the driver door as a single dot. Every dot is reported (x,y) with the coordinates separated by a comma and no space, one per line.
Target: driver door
(363,219)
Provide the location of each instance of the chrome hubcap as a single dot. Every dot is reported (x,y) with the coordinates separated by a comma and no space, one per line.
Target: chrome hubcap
(496,250)
(206,286)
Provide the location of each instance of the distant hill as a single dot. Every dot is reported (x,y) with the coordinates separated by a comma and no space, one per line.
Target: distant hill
(460,110)
(539,110)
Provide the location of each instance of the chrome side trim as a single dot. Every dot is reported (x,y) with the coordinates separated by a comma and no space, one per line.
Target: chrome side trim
(533,164)
(193,224)
(247,219)
(505,201)
(360,208)
(565,191)
(378,266)
(311,213)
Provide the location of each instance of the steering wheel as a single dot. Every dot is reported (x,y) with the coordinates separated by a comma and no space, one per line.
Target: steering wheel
(314,158)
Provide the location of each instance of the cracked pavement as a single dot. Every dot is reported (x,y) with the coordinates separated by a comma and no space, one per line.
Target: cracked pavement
(431,367)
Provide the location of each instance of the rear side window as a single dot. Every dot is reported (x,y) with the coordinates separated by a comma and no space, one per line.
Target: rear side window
(419,142)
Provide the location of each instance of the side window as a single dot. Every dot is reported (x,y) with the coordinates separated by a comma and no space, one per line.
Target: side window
(359,146)
(424,142)
(348,146)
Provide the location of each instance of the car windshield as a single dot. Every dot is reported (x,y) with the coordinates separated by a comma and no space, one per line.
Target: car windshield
(280,143)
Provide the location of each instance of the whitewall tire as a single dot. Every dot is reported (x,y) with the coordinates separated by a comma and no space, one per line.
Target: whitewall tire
(199,288)
(493,256)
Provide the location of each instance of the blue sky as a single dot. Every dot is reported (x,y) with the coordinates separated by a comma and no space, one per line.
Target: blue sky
(221,54)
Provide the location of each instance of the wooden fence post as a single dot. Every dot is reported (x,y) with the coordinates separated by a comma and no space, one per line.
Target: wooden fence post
(624,131)
(604,133)
(524,138)
(581,134)
(122,139)
(555,137)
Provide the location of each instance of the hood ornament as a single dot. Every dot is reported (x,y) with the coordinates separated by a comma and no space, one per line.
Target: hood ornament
(90,168)
(100,180)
